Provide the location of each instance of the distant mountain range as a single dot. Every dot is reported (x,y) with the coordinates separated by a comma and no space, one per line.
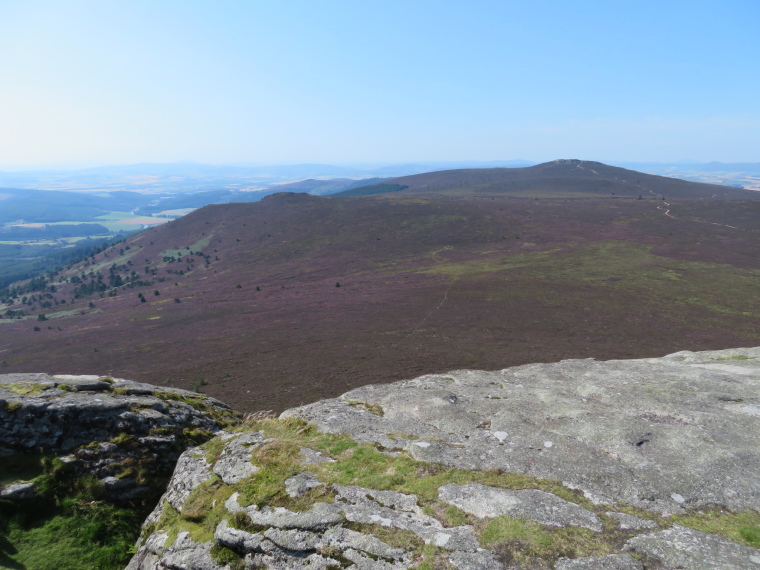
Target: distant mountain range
(299,297)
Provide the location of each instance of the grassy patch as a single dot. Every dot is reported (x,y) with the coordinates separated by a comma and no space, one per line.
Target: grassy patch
(395,537)
(21,467)
(213,449)
(25,388)
(204,509)
(69,526)
(518,541)
(637,271)
(91,535)
(430,557)
(743,526)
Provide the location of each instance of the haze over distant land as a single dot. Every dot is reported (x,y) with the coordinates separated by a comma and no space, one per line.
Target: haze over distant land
(90,83)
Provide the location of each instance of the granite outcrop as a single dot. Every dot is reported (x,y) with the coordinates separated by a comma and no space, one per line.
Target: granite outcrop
(127,435)
(638,464)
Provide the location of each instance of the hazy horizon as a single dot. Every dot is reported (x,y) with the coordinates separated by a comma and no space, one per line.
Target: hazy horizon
(87,83)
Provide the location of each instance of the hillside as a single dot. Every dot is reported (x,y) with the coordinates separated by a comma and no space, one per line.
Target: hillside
(559,178)
(273,304)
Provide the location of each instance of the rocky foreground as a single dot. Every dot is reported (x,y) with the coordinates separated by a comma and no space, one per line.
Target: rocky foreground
(127,435)
(638,464)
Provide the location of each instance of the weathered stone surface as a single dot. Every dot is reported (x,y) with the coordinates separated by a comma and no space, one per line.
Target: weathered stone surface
(136,424)
(300,540)
(301,484)
(610,562)
(478,560)
(660,433)
(183,554)
(363,562)
(237,540)
(191,471)
(312,457)
(344,538)
(539,506)
(667,435)
(279,559)
(367,506)
(318,517)
(19,491)
(232,504)
(680,547)
(234,465)
(629,522)
(59,413)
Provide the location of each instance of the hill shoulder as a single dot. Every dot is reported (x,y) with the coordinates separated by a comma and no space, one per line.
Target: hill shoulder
(568,178)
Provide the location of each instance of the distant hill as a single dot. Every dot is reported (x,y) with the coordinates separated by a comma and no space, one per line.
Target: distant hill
(298,297)
(325,187)
(556,179)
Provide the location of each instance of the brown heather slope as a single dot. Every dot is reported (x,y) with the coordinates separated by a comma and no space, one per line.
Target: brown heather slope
(557,179)
(427,284)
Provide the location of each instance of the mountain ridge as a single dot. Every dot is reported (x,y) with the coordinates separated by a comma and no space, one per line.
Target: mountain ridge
(560,178)
(243,298)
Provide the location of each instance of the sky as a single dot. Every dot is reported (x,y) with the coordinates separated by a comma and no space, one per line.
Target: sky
(345,81)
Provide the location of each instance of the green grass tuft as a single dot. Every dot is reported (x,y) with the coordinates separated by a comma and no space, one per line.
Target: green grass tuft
(742,526)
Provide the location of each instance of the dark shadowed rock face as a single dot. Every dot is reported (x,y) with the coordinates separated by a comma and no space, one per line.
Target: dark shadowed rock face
(612,465)
(126,434)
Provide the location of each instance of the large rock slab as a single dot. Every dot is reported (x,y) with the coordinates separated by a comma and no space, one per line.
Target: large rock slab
(680,547)
(610,562)
(668,435)
(539,506)
(662,434)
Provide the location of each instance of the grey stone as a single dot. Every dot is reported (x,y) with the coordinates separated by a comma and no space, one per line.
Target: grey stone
(359,504)
(237,540)
(234,464)
(364,562)
(312,457)
(301,484)
(39,415)
(539,506)
(302,540)
(390,499)
(344,538)
(148,555)
(681,547)
(281,560)
(232,504)
(629,522)
(660,433)
(183,554)
(610,562)
(19,491)
(478,560)
(83,383)
(320,516)
(191,471)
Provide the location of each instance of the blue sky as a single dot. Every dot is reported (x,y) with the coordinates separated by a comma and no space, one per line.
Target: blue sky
(107,81)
